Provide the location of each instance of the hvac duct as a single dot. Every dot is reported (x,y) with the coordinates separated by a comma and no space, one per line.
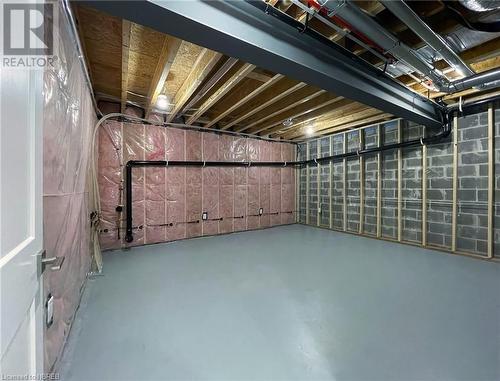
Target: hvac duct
(402,11)
(480,5)
(369,27)
(485,80)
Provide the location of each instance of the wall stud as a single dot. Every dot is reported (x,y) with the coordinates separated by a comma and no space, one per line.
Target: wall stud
(491,179)
(297,188)
(424,193)
(361,134)
(319,206)
(454,187)
(379,183)
(400,180)
(344,175)
(330,183)
(307,184)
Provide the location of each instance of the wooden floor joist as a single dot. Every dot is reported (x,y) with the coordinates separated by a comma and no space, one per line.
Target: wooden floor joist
(167,56)
(262,106)
(201,69)
(245,99)
(343,114)
(221,91)
(283,112)
(351,119)
(323,114)
(276,127)
(125,53)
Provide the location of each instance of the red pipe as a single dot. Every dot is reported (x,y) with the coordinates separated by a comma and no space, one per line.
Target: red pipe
(343,24)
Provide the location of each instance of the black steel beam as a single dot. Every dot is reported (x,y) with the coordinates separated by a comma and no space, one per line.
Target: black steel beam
(270,39)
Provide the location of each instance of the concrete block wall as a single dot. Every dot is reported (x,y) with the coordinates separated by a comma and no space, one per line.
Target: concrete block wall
(411,211)
(472,185)
(439,194)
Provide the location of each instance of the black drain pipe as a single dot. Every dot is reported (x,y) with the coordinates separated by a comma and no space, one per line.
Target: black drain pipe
(179,163)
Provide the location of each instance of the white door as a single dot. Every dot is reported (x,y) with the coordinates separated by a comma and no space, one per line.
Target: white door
(21,240)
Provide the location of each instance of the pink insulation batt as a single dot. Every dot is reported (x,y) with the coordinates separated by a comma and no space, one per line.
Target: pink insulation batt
(168,202)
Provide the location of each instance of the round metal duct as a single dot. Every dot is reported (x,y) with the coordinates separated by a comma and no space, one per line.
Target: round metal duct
(480,5)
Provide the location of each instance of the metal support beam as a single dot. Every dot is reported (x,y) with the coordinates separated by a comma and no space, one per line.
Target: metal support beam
(262,35)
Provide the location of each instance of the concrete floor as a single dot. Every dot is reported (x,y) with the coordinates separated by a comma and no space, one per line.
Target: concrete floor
(287,303)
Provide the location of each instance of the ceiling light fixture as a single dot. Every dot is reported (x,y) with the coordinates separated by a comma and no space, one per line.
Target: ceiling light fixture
(162,103)
(309,130)
(288,122)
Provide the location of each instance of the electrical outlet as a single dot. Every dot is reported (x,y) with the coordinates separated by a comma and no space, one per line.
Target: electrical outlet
(49,306)
(261,211)
(204,216)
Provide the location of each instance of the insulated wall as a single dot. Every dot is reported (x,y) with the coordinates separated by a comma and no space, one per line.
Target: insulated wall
(69,118)
(168,203)
(444,196)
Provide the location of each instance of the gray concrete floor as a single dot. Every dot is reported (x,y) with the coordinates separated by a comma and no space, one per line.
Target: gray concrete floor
(287,303)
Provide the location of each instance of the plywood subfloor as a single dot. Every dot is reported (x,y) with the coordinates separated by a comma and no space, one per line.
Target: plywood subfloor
(290,302)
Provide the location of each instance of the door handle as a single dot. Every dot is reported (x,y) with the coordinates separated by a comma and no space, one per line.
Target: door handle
(52,263)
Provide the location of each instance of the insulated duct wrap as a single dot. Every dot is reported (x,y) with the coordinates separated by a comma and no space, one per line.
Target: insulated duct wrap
(167,203)
(69,118)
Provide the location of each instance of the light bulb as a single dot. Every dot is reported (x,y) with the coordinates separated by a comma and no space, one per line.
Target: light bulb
(162,102)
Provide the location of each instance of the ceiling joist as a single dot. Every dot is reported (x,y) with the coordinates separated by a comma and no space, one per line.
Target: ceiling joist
(342,107)
(221,91)
(256,125)
(378,117)
(341,118)
(245,99)
(126,26)
(167,56)
(262,106)
(275,124)
(201,69)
